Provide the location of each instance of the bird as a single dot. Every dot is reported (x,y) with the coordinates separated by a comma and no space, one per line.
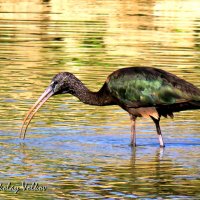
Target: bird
(141,91)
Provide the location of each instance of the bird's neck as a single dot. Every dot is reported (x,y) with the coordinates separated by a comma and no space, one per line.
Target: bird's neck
(100,98)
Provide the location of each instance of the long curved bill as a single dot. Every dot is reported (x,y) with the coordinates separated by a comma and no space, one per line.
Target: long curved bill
(41,100)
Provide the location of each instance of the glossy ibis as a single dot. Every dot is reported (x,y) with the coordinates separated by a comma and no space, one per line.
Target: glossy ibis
(141,91)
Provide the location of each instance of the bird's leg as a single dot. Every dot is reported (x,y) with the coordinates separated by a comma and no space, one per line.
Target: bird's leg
(133,133)
(156,121)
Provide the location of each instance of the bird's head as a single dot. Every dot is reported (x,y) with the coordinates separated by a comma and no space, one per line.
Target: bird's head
(61,83)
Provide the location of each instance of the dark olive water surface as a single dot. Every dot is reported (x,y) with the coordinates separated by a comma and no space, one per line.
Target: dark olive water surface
(78,151)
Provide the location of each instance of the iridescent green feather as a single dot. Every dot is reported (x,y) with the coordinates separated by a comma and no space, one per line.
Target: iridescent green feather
(137,90)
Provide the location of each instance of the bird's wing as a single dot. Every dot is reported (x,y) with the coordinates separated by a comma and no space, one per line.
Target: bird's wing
(145,89)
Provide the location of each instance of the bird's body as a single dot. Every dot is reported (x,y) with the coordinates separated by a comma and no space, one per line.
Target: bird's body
(137,89)
(141,91)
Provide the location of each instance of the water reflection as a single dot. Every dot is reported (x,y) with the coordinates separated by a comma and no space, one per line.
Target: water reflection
(144,172)
(70,147)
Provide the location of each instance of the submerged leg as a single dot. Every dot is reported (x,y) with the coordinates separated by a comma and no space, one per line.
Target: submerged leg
(133,133)
(156,121)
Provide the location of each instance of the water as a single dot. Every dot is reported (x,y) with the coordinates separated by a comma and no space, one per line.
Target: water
(79,151)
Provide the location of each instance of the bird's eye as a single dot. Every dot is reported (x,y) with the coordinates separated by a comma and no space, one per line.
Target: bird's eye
(53,83)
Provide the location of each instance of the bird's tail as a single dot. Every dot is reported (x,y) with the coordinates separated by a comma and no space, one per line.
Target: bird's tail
(194,104)
(191,105)
(170,109)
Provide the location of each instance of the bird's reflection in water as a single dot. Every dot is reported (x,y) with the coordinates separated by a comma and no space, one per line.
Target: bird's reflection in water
(159,155)
(132,171)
